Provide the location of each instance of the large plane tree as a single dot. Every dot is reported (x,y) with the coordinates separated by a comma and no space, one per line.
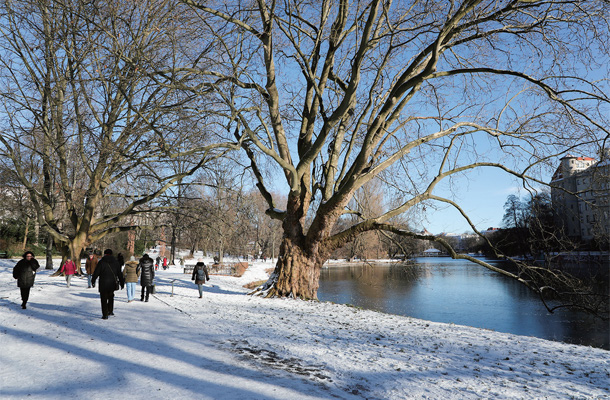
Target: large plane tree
(334,93)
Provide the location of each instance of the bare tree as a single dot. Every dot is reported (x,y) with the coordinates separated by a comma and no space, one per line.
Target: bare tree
(265,232)
(513,212)
(336,93)
(224,197)
(86,130)
(367,202)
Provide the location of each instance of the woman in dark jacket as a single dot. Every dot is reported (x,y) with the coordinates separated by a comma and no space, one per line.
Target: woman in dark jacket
(110,275)
(200,275)
(147,275)
(25,272)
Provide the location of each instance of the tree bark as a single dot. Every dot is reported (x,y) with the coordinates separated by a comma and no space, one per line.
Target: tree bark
(25,236)
(131,242)
(296,273)
(76,247)
(49,252)
(172,253)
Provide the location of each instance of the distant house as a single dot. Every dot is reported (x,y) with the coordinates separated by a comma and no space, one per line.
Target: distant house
(431,253)
(489,231)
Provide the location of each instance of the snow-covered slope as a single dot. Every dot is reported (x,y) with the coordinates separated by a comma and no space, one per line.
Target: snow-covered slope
(229,345)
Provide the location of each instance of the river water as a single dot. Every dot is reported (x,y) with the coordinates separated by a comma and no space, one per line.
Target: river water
(441,289)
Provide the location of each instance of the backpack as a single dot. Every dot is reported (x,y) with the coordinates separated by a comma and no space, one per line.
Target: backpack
(201,273)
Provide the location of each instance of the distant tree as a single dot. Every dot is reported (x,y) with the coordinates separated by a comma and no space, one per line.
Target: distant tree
(513,212)
(225,204)
(266,232)
(368,202)
(530,228)
(544,236)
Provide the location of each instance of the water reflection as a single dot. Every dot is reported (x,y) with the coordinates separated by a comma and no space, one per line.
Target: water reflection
(457,291)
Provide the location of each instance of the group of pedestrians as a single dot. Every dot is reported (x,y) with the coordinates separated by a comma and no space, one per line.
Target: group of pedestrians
(161,262)
(106,272)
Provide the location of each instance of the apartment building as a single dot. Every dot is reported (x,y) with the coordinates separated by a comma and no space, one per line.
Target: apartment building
(579,191)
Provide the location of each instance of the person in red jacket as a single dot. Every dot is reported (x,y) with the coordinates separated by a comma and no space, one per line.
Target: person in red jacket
(69,269)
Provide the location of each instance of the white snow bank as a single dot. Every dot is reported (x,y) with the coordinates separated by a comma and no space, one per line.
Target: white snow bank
(232,346)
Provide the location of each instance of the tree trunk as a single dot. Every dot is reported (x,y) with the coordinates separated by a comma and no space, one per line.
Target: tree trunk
(163,247)
(172,253)
(72,250)
(76,247)
(49,252)
(221,251)
(131,242)
(25,237)
(296,274)
(36,232)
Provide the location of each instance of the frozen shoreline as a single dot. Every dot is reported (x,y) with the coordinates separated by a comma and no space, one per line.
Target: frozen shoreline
(230,345)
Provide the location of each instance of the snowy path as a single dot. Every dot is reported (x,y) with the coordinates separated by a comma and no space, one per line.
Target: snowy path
(60,348)
(231,346)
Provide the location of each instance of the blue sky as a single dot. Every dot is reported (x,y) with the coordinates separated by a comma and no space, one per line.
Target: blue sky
(482,196)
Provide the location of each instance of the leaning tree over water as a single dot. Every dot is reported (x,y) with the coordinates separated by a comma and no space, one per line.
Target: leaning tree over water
(335,93)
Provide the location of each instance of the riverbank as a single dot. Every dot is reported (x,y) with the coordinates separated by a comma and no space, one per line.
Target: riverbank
(229,345)
(346,263)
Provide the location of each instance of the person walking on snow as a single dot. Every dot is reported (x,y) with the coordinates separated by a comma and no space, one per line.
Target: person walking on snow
(147,275)
(121,260)
(69,269)
(200,275)
(111,277)
(132,273)
(90,265)
(25,273)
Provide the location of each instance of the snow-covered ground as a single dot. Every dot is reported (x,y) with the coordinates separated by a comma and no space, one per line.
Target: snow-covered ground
(229,345)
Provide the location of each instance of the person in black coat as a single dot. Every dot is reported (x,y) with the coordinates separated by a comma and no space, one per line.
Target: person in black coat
(147,275)
(111,277)
(120,259)
(200,275)
(25,273)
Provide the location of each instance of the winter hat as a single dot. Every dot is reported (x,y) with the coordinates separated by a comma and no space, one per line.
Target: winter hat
(200,260)
(132,258)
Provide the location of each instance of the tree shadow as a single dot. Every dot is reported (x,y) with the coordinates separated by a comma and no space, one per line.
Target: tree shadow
(153,357)
(164,285)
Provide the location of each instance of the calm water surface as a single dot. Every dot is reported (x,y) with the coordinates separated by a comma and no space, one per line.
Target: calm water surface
(457,291)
